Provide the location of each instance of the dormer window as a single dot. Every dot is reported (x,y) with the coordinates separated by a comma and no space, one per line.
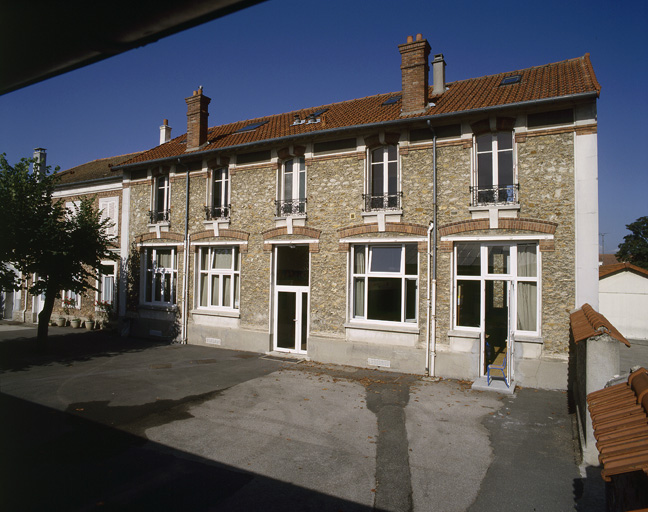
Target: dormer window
(219,207)
(292,188)
(161,200)
(383,181)
(494,174)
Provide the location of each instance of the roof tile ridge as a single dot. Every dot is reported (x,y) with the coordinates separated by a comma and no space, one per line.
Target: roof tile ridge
(298,110)
(130,155)
(572,59)
(587,64)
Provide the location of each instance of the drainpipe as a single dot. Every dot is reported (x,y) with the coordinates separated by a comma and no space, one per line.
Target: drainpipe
(185,273)
(432,230)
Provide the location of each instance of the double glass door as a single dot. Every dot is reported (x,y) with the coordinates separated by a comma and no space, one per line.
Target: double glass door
(291,298)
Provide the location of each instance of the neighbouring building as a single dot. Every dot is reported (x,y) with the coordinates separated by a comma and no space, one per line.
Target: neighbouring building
(438,229)
(96,180)
(623,298)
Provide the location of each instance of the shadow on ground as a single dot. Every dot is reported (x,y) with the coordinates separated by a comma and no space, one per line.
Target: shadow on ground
(53,460)
(65,347)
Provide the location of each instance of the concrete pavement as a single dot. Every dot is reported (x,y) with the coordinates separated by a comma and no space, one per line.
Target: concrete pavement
(112,423)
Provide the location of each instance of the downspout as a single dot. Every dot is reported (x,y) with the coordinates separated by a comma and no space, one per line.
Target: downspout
(185,273)
(432,230)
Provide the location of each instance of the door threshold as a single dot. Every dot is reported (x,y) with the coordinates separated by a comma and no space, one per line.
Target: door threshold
(286,357)
(497,385)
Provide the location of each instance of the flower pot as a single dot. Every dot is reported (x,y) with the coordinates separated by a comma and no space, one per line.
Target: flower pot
(89,324)
(60,321)
(75,324)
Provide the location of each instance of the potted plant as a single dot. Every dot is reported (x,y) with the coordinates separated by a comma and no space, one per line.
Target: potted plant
(61,321)
(89,323)
(75,323)
(67,304)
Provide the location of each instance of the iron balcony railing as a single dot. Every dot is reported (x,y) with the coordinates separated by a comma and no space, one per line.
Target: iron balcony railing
(507,194)
(157,216)
(217,212)
(290,207)
(383,202)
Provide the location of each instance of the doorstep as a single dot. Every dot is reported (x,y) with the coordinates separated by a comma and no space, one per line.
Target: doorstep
(496,385)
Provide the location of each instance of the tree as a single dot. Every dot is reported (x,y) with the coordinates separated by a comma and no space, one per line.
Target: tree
(634,249)
(39,236)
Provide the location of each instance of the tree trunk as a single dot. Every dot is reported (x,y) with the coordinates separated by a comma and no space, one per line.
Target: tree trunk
(44,317)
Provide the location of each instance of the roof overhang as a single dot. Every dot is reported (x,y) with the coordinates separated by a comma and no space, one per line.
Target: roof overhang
(45,39)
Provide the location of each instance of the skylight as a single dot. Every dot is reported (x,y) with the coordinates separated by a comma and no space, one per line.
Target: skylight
(513,79)
(318,112)
(392,100)
(250,127)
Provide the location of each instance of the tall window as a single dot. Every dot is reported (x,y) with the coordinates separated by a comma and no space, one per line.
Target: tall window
(161,200)
(385,282)
(161,275)
(383,186)
(73,299)
(109,207)
(292,188)
(494,173)
(218,277)
(220,207)
(106,283)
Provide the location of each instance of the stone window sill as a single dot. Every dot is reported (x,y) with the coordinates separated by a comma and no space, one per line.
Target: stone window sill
(370,326)
(230,313)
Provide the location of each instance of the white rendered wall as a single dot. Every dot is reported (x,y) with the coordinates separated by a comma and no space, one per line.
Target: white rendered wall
(623,300)
(586,200)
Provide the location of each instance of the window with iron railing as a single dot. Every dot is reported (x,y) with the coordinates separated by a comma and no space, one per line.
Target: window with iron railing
(292,188)
(161,200)
(383,181)
(494,180)
(220,189)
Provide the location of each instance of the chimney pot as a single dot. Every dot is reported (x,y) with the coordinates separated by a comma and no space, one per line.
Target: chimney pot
(410,39)
(165,131)
(419,37)
(438,74)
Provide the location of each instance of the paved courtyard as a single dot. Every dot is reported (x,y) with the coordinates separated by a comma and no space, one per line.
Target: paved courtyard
(108,423)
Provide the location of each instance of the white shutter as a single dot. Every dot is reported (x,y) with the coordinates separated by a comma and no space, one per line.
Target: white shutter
(109,207)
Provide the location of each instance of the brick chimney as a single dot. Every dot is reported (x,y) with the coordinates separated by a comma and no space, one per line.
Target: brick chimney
(165,132)
(415,70)
(197,113)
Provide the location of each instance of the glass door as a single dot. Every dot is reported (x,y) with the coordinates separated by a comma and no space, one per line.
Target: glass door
(291,297)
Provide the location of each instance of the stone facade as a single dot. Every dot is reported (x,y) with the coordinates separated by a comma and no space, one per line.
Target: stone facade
(335,214)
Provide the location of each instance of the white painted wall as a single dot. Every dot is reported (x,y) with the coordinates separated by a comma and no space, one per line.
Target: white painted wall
(586,200)
(623,300)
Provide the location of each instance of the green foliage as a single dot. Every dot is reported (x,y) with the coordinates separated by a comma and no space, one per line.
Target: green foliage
(38,235)
(634,249)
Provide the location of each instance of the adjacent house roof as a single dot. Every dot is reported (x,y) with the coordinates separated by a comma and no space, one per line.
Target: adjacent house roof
(607,259)
(608,270)
(94,170)
(586,323)
(564,79)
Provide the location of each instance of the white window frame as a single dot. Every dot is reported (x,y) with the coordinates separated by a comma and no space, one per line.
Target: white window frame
(293,204)
(234,274)
(102,281)
(512,196)
(369,274)
(383,201)
(166,197)
(156,272)
(69,294)
(220,175)
(512,276)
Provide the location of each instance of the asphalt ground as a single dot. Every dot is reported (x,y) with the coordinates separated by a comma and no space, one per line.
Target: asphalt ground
(106,423)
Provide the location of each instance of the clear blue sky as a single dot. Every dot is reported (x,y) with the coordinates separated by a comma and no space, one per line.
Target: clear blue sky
(288,54)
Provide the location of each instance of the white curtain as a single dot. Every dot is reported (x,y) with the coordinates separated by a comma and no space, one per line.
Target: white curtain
(527,306)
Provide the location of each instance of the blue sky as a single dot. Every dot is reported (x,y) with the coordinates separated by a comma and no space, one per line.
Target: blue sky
(288,54)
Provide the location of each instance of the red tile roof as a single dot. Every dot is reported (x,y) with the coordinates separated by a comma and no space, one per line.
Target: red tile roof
(607,259)
(96,169)
(551,81)
(620,421)
(586,323)
(607,270)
